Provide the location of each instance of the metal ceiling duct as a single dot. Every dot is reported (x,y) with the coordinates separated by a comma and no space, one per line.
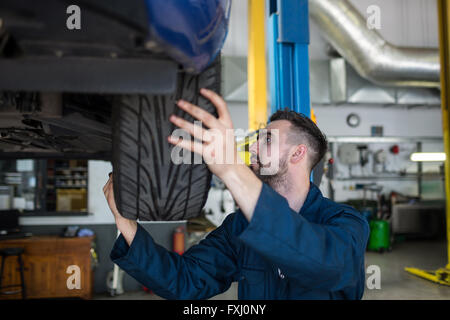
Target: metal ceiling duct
(372,56)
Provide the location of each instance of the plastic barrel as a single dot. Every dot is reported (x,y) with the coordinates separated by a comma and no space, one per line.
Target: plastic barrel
(379,235)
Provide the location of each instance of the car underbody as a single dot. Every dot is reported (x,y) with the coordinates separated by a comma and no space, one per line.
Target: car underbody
(58,86)
(55,125)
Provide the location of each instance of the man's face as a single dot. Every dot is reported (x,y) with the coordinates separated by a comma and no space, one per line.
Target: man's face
(269,160)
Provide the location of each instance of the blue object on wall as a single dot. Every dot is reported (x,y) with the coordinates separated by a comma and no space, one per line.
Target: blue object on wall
(191,31)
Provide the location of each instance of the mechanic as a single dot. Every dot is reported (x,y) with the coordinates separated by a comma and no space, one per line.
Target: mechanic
(286,241)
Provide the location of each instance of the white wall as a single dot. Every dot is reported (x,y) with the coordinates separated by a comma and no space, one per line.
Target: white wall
(236,42)
(396,121)
(239,114)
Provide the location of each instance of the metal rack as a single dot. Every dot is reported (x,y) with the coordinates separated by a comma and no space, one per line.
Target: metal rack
(47,188)
(419,176)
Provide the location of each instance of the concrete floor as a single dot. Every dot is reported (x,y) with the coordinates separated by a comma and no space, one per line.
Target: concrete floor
(396,284)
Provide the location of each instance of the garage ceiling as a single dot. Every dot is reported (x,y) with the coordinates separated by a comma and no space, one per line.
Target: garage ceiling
(403,22)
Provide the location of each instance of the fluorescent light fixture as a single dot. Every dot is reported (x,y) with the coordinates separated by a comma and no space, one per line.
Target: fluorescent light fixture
(427,156)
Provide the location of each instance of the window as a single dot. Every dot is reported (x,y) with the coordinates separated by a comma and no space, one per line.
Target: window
(44,187)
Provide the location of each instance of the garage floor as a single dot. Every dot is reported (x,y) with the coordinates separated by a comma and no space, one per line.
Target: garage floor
(395,282)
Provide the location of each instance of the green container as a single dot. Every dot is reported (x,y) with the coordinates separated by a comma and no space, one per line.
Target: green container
(379,239)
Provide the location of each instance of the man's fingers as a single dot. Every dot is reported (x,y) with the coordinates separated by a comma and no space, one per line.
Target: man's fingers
(106,185)
(195,130)
(219,103)
(198,113)
(109,195)
(187,144)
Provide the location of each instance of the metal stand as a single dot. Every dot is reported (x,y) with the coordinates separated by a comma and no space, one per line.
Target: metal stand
(115,278)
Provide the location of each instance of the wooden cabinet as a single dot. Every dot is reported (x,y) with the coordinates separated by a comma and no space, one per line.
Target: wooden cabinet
(46,263)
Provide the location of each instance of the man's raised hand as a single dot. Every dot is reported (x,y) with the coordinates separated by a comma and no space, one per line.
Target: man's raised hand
(215,143)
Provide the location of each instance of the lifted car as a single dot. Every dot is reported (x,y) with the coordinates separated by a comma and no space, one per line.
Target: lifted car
(106,90)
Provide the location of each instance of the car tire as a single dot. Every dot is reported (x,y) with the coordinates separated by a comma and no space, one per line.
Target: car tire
(147,184)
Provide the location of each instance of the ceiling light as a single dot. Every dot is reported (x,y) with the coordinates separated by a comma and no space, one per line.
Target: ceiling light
(427,156)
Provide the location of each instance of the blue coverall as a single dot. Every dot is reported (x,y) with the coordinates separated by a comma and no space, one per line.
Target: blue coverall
(317,253)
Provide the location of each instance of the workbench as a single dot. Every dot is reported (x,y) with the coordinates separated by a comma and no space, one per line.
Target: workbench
(46,262)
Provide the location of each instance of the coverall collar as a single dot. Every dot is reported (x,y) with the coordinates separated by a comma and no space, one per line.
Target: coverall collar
(310,205)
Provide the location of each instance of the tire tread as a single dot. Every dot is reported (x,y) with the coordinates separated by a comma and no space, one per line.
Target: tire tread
(143,169)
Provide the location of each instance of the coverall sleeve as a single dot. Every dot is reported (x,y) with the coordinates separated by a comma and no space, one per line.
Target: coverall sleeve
(203,271)
(315,256)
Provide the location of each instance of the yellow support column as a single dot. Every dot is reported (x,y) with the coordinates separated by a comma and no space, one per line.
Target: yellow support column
(444,45)
(442,275)
(256,65)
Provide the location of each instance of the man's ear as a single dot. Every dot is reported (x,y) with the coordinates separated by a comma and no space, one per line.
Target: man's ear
(299,153)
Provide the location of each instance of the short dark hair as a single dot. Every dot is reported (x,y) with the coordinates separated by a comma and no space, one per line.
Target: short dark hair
(304,131)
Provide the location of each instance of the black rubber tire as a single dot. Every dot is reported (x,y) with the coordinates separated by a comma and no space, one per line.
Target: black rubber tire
(147,184)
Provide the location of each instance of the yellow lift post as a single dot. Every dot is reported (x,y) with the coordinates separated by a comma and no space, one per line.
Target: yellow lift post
(442,275)
(256,76)
(256,65)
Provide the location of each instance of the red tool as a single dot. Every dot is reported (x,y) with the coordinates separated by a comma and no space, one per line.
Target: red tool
(395,149)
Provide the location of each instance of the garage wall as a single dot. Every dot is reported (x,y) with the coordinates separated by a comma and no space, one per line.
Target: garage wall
(239,114)
(396,121)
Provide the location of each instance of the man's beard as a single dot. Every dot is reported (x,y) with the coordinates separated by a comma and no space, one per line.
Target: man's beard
(278,181)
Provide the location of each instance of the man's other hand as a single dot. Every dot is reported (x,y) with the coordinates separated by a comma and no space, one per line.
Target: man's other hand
(108,190)
(127,227)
